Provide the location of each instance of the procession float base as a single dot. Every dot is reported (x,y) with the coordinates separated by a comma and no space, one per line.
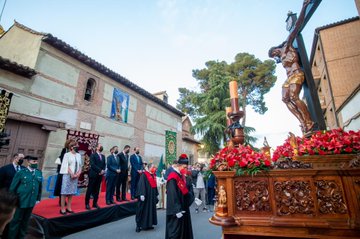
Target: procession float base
(47,222)
(307,197)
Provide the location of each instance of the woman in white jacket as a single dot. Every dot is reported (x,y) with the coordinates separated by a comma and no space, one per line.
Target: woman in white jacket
(71,170)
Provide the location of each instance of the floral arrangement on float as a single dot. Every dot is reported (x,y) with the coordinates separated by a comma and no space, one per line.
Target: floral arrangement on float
(236,156)
(336,141)
(242,159)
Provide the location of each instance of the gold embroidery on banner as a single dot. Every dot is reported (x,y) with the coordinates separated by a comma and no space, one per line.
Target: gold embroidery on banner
(5,99)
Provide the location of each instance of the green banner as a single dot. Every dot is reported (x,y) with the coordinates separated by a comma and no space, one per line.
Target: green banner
(170,146)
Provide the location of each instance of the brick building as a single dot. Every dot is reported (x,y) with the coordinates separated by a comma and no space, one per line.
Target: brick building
(68,94)
(335,61)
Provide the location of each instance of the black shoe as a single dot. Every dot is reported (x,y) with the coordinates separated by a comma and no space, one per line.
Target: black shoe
(95,205)
(108,203)
(124,199)
(69,211)
(62,213)
(87,206)
(118,200)
(132,198)
(112,202)
(138,229)
(149,228)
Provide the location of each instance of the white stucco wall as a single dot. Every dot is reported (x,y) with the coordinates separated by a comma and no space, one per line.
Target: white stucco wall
(350,110)
(111,127)
(57,69)
(161,116)
(30,106)
(52,90)
(20,46)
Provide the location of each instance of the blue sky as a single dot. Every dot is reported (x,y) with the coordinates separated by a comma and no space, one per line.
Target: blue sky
(156,44)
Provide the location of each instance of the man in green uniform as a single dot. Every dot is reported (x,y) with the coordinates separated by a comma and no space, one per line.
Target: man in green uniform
(27,185)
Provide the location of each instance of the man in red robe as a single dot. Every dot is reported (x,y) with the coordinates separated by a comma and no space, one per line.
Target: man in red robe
(179,198)
(147,195)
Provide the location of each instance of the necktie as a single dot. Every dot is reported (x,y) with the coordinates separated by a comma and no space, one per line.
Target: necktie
(100,156)
(17,168)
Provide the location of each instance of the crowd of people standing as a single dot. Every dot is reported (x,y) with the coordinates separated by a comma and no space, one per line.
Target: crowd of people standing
(184,185)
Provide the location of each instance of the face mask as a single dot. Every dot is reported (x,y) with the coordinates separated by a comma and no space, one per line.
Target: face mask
(101,149)
(153,170)
(116,151)
(34,166)
(127,151)
(76,149)
(20,161)
(137,152)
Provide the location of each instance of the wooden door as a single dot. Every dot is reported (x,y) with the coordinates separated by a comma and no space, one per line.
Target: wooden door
(26,138)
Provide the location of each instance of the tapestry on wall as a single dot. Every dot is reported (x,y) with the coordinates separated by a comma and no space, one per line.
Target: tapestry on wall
(120,106)
(170,146)
(5,99)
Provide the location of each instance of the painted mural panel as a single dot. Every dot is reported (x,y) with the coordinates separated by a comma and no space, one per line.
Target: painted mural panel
(120,106)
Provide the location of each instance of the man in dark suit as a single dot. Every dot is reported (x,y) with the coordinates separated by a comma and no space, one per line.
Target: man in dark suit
(96,172)
(122,179)
(136,169)
(7,172)
(112,173)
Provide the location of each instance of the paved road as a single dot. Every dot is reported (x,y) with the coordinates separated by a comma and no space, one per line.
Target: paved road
(125,228)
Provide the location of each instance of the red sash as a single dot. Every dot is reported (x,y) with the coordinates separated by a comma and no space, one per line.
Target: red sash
(150,179)
(181,183)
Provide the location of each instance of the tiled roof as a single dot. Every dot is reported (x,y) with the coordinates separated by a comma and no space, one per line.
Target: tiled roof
(16,68)
(76,54)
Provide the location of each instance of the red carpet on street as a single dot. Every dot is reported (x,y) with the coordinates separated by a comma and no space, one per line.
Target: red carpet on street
(49,208)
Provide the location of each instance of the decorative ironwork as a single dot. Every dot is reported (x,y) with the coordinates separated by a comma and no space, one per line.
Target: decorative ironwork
(288,163)
(252,196)
(330,197)
(293,197)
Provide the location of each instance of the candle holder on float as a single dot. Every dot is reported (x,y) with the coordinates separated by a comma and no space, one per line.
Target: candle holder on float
(234,129)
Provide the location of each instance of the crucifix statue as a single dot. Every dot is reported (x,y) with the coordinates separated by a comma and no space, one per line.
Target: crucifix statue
(290,59)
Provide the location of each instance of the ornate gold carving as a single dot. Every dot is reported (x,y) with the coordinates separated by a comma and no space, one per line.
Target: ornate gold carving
(252,196)
(221,209)
(289,163)
(293,197)
(330,197)
(5,99)
(222,197)
(355,163)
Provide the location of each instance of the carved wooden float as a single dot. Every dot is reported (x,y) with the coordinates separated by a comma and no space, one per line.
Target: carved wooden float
(312,197)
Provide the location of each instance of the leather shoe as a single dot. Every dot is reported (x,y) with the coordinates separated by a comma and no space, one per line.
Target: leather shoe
(132,197)
(124,199)
(95,205)
(87,206)
(118,200)
(112,202)
(108,203)
(138,229)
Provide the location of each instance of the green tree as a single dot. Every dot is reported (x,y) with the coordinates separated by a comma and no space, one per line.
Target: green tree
(207,105)
(255,79)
